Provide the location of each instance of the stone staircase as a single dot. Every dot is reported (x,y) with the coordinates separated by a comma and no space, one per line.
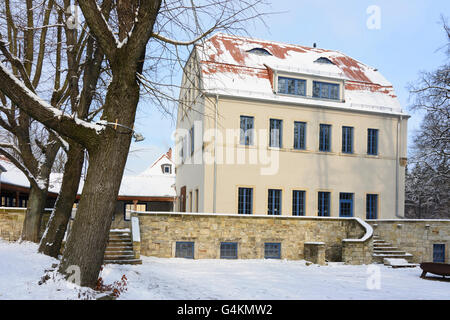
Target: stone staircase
(120,248)
(383,249)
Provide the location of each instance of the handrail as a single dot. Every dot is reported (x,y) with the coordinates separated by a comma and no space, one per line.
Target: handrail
(366,236)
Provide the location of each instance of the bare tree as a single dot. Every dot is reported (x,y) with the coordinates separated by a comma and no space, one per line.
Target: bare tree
(27,144)
(137,30)
(428,181)
(80,104)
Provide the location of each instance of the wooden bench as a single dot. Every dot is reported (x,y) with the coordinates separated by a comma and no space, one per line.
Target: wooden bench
(440,269)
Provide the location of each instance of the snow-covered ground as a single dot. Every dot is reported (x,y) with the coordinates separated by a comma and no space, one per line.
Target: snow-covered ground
(21,268)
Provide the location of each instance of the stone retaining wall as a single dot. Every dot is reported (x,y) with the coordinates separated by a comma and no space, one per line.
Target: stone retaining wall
(415,236)
(11,223)
(161,231)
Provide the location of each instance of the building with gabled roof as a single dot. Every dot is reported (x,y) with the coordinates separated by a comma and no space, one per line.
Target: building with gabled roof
(271,128)
(152,190)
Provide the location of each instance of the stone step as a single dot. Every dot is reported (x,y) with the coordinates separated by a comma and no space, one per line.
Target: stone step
(120,232)
(119,252)
(118,237)
(385,248)
(392,255)
(379,258)
(119,257)
(130,261)
(119,240)
(382,244)
(119,248)
(389,252)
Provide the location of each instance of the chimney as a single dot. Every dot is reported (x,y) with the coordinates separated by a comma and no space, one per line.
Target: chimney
(314,45)
(169,153)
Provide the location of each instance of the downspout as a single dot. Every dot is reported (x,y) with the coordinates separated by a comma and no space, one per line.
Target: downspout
(215,154)
(396,167)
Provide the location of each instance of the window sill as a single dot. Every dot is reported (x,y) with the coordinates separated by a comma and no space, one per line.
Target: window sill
(346,154)
(300,150)
(245,146)
(277,149)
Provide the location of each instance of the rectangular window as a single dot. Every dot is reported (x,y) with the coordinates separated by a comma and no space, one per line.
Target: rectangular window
(372,141)
(325,90)
(274,201)
(276,133)
(372,206)
(196,200)
(184,250)
(347,139)
(246,137)
(292,86)
(190,201)
(298,203)
(228,250)
(191,134)
(439,252)
(346,204)
(299,135)
(325,138)
(272,250)
(182,149)
(324,204)
(245,201)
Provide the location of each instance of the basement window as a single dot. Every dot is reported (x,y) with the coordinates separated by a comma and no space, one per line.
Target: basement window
(272,250)
(184,249)
(228,250)
(439,253)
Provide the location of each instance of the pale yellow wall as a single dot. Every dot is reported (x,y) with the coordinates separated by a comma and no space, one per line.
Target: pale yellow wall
(190,112)
(309,170)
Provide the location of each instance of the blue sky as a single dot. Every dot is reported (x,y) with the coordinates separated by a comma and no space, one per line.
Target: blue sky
(408,41)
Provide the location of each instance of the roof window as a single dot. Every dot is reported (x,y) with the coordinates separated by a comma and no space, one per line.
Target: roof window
(324,60)
(260,51)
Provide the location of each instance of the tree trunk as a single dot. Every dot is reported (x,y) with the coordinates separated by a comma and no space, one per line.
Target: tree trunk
(57,225)
(33,216)
(86,244)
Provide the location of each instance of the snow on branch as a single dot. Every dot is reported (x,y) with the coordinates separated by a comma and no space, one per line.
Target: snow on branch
(30,103)
(18,164)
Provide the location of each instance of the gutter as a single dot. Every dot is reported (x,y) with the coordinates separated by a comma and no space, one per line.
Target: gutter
(215,153)
(397,164)
(289,103)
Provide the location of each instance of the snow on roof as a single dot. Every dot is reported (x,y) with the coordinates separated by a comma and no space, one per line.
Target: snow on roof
(230,68)
(147,184)
(13,175)
(157,167)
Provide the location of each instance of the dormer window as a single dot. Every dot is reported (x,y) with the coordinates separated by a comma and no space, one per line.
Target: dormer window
(260,51)
(167,168)
(324,60)
(325,90)
(292,86)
